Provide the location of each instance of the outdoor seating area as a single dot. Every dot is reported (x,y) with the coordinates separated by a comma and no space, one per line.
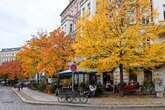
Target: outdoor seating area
(130,88)
(83,80)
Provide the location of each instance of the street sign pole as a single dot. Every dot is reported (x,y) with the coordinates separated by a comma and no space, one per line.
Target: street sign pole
(73,68)
(72,81)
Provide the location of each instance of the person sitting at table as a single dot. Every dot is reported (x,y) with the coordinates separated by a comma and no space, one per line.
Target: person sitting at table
(92,89)
(109,86)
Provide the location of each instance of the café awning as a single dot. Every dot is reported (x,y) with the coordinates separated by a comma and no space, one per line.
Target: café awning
(68,72)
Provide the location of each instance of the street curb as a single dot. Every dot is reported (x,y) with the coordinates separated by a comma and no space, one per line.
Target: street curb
(36,102)
(53,103)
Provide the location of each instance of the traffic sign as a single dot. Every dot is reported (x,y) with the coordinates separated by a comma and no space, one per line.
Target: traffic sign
(73,67)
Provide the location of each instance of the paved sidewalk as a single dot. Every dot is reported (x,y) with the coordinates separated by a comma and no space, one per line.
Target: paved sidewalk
(39,95)
(36,97)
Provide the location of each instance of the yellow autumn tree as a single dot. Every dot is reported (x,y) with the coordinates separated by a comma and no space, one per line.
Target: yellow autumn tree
(121,35)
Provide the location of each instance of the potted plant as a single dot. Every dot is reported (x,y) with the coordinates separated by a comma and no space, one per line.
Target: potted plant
(51,89)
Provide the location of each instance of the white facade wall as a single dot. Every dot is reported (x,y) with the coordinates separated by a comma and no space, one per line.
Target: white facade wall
(116,76)
(70,15)
(161,72)
(78,7)
(159,6)
(73,11)
(66,25)
(140,76)
(7,56)
(88,6)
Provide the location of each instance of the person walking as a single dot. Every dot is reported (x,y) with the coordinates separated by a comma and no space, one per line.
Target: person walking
(20,85)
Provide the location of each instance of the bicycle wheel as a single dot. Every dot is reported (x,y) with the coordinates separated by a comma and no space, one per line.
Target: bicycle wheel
(76,100)
(83,99)
(69,99)
(61,99)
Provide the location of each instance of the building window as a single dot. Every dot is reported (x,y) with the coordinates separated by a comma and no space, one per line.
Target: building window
(145,20)
(164,14)
(71,27)
(65,27)
(89,7)
(131,17)
(83,11)
(164,11)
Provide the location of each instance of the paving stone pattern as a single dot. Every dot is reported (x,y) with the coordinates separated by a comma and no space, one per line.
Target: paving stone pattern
(111,100)
(10,101)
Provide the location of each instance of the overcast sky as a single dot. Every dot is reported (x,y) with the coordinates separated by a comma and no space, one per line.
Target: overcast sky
(19,19)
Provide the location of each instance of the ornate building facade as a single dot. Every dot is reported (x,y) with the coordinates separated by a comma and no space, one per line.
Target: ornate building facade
(77,8)
(159,6)
(69,16)
(73,11)
(8,54)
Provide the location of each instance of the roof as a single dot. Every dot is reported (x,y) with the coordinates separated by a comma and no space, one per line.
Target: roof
(10,49)
(67,7)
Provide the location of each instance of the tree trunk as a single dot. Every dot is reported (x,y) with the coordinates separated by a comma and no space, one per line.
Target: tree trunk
(46,83)
(38,76)
(121,73)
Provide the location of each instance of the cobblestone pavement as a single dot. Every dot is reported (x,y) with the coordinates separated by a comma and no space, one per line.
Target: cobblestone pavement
(111,100)
(9,101)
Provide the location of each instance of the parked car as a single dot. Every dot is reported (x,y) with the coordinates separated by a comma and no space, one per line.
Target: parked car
(3,83)
(26,83)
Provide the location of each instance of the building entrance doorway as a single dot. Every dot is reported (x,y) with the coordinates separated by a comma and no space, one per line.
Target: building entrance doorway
(147,75)
(107,78)
(132,75)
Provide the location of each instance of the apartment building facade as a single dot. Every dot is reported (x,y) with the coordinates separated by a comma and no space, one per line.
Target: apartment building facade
(77,8)
(73,11)
(159,6)
(69,16)
(82,6)
(8,54)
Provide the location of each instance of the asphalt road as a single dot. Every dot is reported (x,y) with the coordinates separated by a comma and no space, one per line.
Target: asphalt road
(10,101)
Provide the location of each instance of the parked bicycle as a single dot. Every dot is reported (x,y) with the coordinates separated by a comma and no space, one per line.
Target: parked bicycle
(79,96)
(74,97)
